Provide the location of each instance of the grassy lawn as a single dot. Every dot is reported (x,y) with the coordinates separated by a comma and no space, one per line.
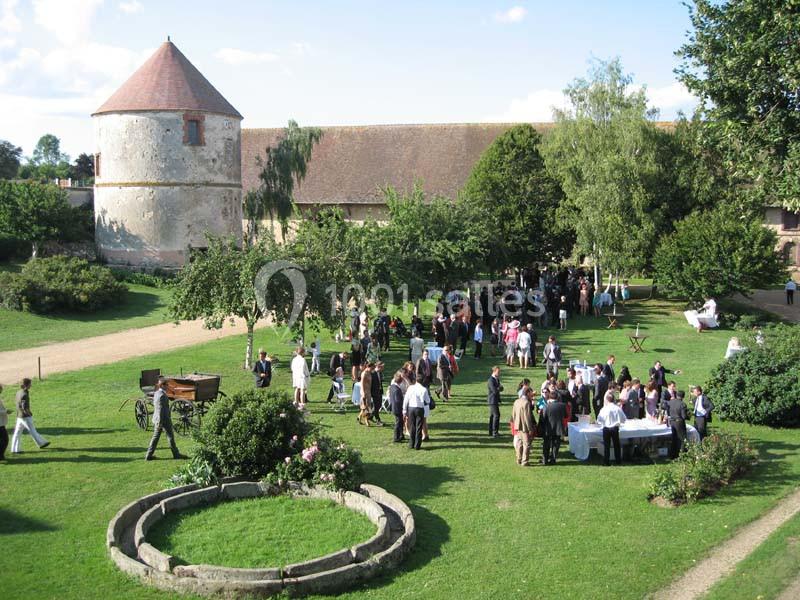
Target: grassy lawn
(263,532)
(768,570)
(143,306)
(486,527)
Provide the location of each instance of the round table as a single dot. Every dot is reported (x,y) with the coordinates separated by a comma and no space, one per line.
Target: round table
(612,319)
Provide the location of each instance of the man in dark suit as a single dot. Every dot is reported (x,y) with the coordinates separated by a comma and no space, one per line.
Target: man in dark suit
(377,393)
(444,372)
(608,368)
(702,411)
(424,370)
(396,403)
(668,394)
(553,418)
(600,388)
(262,370)
(658,375)
(493,400)
(677,422)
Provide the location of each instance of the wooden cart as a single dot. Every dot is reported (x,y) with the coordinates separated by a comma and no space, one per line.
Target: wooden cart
(190,397)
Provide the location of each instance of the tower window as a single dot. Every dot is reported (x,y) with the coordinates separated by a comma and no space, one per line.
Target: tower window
(97,165)
(193,134)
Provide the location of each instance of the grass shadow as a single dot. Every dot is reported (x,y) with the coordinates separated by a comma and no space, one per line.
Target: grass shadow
(12,522)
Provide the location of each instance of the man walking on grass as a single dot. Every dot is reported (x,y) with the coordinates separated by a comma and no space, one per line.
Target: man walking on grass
(25,420)
(162,421)
(493,400)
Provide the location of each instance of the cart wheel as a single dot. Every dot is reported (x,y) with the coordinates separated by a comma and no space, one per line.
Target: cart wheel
(140,414)
(185,417)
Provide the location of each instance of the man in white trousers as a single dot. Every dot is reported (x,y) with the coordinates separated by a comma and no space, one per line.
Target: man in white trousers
(25,420)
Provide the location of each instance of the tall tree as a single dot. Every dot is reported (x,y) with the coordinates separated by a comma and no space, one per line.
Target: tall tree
(283,167)
(741,60)
(218,284)
(9,159)
(48,151)
(716,253)
(511,194)
(34,212)
(605,151)
(83,168)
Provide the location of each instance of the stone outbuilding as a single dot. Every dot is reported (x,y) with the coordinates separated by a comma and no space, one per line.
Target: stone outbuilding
(167,165)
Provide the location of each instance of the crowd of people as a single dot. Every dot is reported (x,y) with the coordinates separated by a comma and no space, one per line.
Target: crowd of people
(612,398)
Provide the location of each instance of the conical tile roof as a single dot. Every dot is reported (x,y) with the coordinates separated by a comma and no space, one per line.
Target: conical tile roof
(167,81)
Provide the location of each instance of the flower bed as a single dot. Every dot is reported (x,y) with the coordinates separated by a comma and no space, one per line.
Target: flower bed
(702,469)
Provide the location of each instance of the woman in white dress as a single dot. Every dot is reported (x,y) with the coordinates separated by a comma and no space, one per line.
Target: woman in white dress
(300,376)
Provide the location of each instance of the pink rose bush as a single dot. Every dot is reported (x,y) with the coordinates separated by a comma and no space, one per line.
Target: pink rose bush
(325,462)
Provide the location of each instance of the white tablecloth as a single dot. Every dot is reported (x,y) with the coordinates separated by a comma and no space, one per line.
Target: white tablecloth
(584,437)
(587,372)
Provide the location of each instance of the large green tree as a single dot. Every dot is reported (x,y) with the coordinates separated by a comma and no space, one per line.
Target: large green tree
(606,152)
(511,194)
(741,60)
(717,253)
(35,213)
(9,159)
(217,284)
(284,166)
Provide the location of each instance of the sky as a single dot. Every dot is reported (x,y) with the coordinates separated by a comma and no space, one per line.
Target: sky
(332,63)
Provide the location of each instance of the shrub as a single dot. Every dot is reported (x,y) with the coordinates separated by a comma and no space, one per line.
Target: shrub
(60,283)
(702,469)
(197,470)
(157,279)
(250,433)
(325,462)
(12,248)
(760,386)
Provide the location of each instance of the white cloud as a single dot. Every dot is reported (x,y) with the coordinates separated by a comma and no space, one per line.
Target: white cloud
(301,48)
(237,57)
(131,8)
(536,107)
(514,14)
(68,20)
(671,98)
(7,42)
(9,21)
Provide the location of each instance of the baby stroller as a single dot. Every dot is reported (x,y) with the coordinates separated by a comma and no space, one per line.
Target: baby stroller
(400,329)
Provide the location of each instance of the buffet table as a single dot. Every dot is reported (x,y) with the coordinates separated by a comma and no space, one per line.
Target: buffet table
(585,436)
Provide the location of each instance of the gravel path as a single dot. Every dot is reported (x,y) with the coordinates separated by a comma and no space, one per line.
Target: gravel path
(723,558)
(792,592)
(775,302)
(104,349)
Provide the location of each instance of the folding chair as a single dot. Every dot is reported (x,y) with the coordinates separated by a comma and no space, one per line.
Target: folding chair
(385,404)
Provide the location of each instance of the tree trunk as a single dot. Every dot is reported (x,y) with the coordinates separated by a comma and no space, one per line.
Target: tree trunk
(616,286)
(35,249)
(248,356)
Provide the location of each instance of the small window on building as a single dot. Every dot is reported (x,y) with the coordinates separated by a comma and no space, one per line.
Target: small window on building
(193,134)
(790,254)
(193,130)
(791,220)
(97,165)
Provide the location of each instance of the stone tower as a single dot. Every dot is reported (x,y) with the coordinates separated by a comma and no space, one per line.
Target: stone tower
(167,165)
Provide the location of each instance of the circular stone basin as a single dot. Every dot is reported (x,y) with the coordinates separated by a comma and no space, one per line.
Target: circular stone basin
(259,532)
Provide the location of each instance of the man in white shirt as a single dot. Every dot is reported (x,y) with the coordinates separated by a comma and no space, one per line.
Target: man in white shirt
(414,402)
(611,417)
(524,347)
(790,287)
